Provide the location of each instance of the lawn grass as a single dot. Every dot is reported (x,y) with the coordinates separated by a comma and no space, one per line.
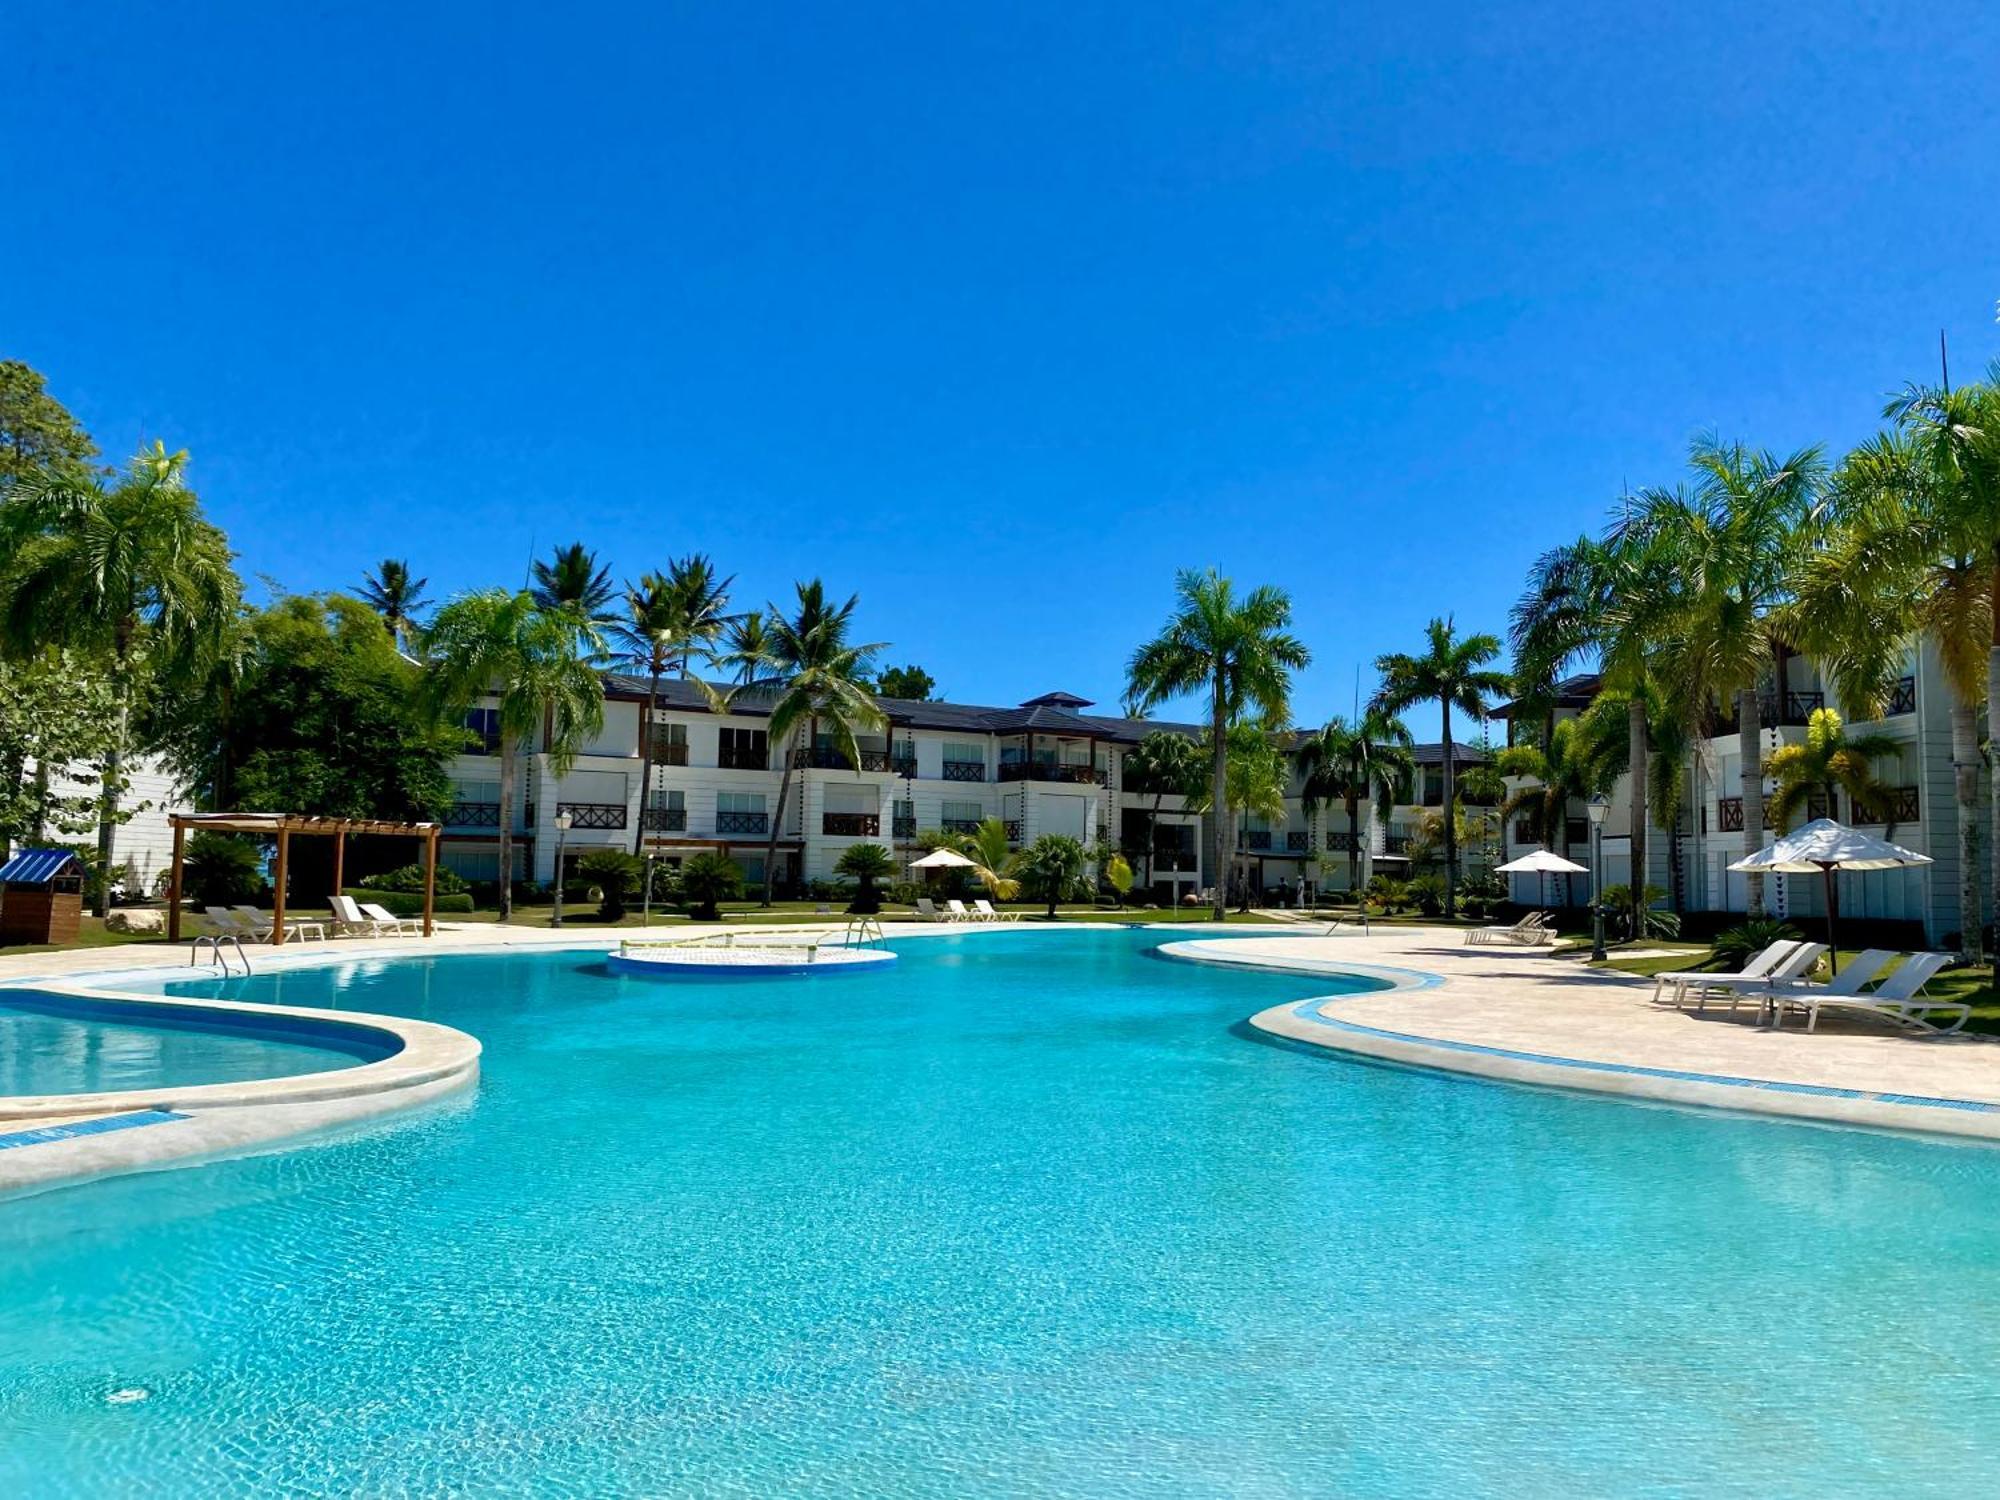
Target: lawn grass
(782,913)
(91,933)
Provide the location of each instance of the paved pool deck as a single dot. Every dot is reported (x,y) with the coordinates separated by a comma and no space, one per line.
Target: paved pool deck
(1523,1015)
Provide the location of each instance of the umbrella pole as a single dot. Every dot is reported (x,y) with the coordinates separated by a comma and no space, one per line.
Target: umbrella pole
(1832,914)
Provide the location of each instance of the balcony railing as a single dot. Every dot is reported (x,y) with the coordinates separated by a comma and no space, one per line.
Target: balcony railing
(1772,708)
(593,814)
(959,825)
(1729,813)
(851,825)
(1013,830)
(736,758)
(1256,838)
(1297,841)
(965,770)
(1903,808)
(1396,843)
(871,760)
(743,822)
(670,752)
(904,828)
(1340,839)
(1904,699)
(666,820)
(1042,770)
(1175,861)
(473,815)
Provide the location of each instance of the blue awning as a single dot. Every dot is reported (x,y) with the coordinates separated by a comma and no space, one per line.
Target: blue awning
(40,866)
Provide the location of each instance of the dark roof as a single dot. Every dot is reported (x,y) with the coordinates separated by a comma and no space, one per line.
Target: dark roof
(40,866)
(1571,692)
(1056,700)
(1462,754)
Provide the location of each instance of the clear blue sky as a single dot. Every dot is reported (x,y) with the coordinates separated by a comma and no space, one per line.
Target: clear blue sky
(999,314)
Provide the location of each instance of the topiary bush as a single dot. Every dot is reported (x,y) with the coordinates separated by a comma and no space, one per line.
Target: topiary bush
(616,875)
(411,878)
(223,869)
(706,879)
(1735,946)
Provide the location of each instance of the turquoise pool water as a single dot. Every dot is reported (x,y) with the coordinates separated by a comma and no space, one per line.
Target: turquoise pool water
(46,1050)
(1024,1216)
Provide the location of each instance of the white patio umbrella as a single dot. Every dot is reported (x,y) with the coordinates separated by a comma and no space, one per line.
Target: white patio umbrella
(1826,846)
(942,859)
(1541,862)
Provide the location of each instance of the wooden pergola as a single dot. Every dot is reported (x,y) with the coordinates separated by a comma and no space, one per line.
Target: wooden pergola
(282,826)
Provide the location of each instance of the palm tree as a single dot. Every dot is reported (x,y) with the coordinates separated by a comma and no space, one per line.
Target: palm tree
(813,676)
(571,580)
(506,646)
(1052,869)
(865,864)
(394,595)
(993,859)
(133,574)
(1582,758)
(1830,759)
(1356,763)
(1735,540)
(1164,763)
(1254,781)
(746,647)
(1452,673)
(702,602)
(648,636)
(1241,653)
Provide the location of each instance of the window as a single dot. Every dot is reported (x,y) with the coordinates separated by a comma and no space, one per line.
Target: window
(483,725)
(738,802)
(963,752)
(744,750)
(670,744)
(955,813)
(661,797)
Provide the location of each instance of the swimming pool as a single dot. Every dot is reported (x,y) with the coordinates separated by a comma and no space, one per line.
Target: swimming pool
(61,1044)
(1024,1214)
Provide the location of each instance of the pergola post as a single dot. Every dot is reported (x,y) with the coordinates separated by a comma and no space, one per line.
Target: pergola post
(278,889)
(430,878)
(339,862)
(174,884)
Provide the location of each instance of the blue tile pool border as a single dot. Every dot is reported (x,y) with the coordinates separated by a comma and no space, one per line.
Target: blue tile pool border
(103,1125)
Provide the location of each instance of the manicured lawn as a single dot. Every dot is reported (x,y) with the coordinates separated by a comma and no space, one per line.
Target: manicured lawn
(91,934)
(783,912)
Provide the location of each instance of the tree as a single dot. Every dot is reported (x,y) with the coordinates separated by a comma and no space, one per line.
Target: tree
(1254,781)
(701,603)
(38,436)
(1830,759)
(648,637)
(993,860)
(572,581)
(1356,763)
(132,574)
(1581,759)
(394,595)
(865,864)
(59,711)
(1164,764)
(505,646)
(708,878)
(1052,870)
(746,648)
(1735,539)
(812,675)
(314,712)
(911,683)
(1241,654)
(1452,673)
(616,875)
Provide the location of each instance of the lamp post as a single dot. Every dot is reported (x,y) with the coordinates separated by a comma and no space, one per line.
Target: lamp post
(1597,808)
(562,831)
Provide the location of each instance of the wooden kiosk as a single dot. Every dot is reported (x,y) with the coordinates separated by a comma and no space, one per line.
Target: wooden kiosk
(282,826)
(41,897)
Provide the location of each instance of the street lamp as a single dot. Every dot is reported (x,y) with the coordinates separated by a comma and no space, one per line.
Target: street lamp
(562,829)
(1597,807)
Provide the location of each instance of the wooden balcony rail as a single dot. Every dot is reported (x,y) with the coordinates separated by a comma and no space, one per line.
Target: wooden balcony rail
(1904,699)
(1297,841)
(851,825)
(666,820)
(736,758)
(744,822)
(965,770)
(905,828)
(669,752)
(593,814)
(1903,807)
(959,825)
(473,815)
(1396,843)
(1254,838)
(1013,830)
(1341,839)
(1041,770)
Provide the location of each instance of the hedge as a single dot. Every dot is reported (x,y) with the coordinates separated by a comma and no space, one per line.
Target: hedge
(408,904)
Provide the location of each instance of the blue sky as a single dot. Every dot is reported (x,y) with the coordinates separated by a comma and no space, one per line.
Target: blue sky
(995,315)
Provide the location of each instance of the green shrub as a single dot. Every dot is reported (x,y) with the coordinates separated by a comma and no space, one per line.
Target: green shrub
(1735,946)
(616,875)
(411,878)
(223,869)
(1647,921)
(706,879)
(865,864)
(410,903)
(1426,893)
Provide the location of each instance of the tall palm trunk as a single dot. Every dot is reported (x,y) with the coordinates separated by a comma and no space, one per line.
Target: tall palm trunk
(1450,822)
(1965,792)
(114,769)
(1993,738)
(1153,837)
(1218,801)
(1750,753)
(510,753)
(646,760)
(1354,847)
(777,822)
(1635,731)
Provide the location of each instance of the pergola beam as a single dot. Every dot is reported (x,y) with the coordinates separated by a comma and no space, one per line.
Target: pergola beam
(282,826)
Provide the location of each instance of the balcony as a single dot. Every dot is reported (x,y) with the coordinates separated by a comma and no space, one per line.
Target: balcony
(1775,712)
(1175,862)
(959,825)
(666,820)
(1255,838)
(670,752)
(1396,843)
(473,815)
(904,828)
(1041,770)
(965,770)
(1013,830)
(851,825)
(1904,699)
(1297,841)
(1729,814)
(1340,840)
(745,822)
(593,814)
(736,758)
(1903,808)
(871,760)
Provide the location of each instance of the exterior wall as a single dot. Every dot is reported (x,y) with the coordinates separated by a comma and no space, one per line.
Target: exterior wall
(144,841)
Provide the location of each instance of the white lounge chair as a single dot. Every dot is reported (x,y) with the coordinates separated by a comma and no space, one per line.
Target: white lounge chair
(955,911)
(228,922)
(351,921)
(927,910)
(982,910)
(1740,987)
(1898,997)
(295,927)
(1531,931)
(383,917)
(1759,966)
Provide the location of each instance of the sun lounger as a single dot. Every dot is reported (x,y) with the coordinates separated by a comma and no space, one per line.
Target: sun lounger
(228,922)
(1530,931)
(299,927)
(1760,966)
(927,910)
(1899,997)
(955,911)
(1740,987)
(349,920)
(982,910)
(383,917)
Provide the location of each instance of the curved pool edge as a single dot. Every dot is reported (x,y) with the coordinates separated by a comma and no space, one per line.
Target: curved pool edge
(77,1137)
(1310,1023)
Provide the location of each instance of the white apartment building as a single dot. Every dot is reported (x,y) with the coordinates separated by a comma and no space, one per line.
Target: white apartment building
(1043,766)
(1692,860)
